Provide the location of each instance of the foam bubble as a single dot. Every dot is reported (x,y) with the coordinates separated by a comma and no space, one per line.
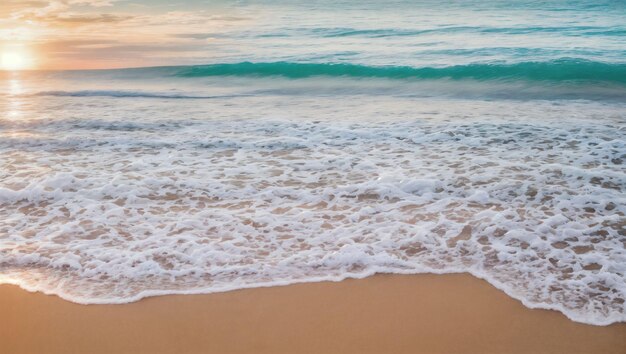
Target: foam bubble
(170,197)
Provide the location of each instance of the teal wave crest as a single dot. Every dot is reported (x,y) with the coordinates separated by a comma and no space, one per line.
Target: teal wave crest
(568,70)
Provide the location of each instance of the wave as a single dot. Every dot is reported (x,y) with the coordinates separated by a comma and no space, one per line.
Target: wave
(561,70)
(142,210)
(392,32)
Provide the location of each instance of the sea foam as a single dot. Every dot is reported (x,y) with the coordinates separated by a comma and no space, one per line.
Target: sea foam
(212,196)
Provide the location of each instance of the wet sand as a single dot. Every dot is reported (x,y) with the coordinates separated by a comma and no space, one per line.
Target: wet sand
(380,314)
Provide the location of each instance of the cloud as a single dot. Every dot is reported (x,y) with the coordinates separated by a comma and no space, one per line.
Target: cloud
(62,11)
(90,19)
(95,3)
(112,33)
(100,47)
(198,36)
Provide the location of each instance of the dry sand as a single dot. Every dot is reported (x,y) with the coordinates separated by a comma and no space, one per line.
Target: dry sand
(380,314)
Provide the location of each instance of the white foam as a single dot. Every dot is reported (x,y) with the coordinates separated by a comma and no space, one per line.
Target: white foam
(161,197)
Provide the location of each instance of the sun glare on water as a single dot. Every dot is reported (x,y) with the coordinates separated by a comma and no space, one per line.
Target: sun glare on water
(15,61)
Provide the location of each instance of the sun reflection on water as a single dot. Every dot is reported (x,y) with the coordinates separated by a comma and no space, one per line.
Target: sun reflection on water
(12,108)
(14,102)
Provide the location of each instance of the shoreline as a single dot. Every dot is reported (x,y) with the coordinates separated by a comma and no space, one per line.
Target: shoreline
(452,313)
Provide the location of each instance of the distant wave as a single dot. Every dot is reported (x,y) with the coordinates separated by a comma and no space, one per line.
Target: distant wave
(562,70)
(558,79)
(393,32)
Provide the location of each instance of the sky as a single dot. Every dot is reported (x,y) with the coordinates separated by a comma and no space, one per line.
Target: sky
(95,34)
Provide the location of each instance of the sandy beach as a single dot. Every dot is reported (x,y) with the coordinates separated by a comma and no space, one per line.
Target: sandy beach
(380,314)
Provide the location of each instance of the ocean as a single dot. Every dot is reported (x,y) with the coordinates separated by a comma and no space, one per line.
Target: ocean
(327,140)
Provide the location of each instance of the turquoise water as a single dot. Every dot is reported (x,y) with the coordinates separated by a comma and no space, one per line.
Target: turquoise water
(325,140)
(564,70)
(527,49)
(424,33)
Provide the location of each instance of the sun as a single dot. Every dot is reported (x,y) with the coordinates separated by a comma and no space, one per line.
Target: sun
(14,61)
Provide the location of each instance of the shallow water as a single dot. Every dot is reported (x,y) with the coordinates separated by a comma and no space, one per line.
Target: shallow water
(498,149)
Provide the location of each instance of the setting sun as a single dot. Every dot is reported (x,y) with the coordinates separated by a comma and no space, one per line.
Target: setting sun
(14,61)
